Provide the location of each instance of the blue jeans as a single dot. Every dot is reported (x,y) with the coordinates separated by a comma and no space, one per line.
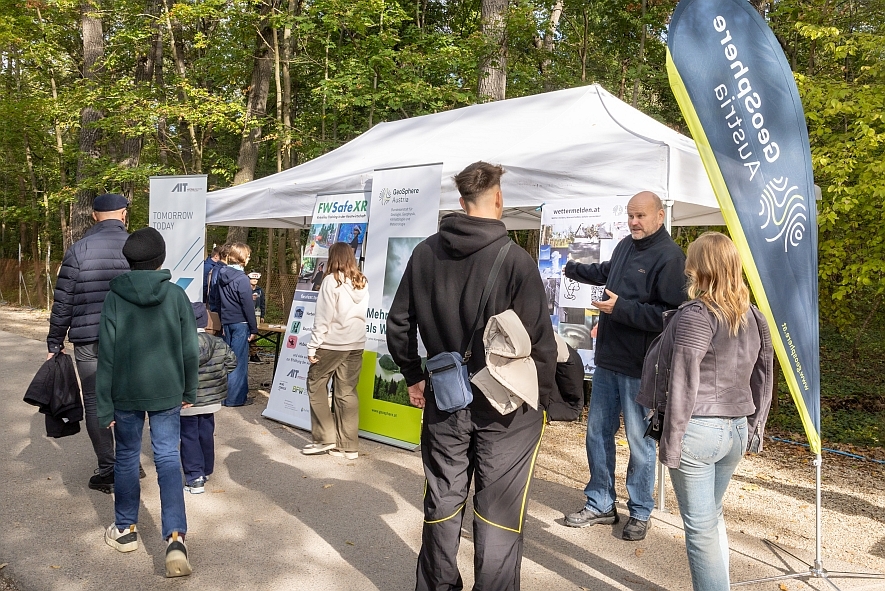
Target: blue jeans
(615,393)
(164,443)
(237,338)
(711,450)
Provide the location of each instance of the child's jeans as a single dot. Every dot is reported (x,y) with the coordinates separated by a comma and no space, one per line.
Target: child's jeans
(197,445)
(165,435)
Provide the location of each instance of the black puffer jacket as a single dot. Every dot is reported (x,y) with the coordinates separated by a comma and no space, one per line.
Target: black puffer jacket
(84,281)
(216,361)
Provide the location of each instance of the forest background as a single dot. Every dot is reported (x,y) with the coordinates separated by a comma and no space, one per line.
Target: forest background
(97,96)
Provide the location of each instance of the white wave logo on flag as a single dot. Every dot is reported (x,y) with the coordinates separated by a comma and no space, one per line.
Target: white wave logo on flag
(785,210)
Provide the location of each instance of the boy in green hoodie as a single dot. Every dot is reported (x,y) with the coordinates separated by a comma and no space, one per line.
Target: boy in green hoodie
(148,362)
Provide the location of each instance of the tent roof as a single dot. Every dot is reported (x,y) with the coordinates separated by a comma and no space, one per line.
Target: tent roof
(580,142)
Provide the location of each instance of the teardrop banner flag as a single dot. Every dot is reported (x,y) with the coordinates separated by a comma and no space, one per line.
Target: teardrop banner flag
(740,100)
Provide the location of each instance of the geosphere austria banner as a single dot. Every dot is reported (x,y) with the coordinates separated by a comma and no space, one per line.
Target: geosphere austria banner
(740,100)
(403,211)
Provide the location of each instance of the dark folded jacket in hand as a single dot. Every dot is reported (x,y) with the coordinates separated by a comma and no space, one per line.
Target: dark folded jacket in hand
(55,391)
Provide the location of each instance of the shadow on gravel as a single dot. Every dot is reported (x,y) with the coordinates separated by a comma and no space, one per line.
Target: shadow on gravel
(347,514)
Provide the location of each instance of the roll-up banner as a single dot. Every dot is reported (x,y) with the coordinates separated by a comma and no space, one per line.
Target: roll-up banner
(337,217)
(586,231)
(404,210)
(740,100)
(178,212)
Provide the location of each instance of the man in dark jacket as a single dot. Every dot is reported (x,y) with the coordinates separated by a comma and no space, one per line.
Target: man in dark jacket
(439,298)
(83,282)
(645,277)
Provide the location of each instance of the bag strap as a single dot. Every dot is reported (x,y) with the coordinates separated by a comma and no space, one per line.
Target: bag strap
(486,291)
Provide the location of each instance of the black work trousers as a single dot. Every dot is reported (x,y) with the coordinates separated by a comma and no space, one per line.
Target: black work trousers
(498,453)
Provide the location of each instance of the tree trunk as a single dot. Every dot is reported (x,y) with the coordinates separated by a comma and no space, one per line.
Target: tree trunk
(237,234)
(549,44)
(493,68)
(281,253)
(256,105)
(295,241)
(195,148)
(144,72)
(93,51)
(639,70)
(288,45)
(162,127)
(278,82)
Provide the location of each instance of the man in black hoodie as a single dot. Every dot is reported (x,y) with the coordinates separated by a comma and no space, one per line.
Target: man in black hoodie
(83,282)
(645,277)
(439,297)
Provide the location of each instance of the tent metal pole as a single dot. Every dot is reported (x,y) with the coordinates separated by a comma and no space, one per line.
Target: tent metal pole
(661,501)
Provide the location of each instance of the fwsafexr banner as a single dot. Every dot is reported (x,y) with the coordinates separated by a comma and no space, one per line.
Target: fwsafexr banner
(178,212)
(337,217)
(404,210)
(738,95)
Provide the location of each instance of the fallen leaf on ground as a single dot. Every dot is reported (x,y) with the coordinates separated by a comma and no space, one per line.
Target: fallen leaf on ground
(622,442)
(750,487)
(782,587)
(639,552)
(54,566)
(328,485)
(4,565)
(348,542)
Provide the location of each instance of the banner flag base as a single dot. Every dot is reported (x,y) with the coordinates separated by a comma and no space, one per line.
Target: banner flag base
(816,570)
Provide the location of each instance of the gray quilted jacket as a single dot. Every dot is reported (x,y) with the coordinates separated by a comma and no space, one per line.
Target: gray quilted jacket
(697,368)
(216,361)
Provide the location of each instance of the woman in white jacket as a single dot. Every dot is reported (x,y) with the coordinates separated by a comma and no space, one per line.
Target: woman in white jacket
(336,351)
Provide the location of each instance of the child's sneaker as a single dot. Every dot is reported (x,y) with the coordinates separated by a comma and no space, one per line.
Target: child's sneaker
(177,564)
(196,486)
(124,541)
(350,455)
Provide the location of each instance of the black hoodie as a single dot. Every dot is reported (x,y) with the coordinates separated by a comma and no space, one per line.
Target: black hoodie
(648,275)
(440,292)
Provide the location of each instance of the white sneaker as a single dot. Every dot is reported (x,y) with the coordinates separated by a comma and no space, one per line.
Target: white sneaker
(123,541)
(312,449)
(350,455)
(177,564)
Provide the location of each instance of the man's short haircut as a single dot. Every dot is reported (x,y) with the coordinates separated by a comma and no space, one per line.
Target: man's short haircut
(216,251)
(476,179)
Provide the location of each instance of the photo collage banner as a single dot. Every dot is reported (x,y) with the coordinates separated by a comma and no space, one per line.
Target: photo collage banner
(586,231)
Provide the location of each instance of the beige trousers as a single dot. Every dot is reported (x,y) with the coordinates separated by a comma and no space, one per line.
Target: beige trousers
(343,367)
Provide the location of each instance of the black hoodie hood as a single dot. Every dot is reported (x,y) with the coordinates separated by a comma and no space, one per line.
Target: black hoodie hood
(462,235)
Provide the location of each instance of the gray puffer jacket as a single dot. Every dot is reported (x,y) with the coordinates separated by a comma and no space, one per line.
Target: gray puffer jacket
(697,368)
(216,361)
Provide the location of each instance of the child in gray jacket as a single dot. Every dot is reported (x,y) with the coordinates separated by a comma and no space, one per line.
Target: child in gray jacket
(198,422)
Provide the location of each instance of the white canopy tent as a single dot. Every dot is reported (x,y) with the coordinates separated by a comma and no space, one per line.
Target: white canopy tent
(581,142)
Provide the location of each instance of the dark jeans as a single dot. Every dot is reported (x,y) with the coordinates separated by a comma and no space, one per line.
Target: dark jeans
(86,357)
(197,445)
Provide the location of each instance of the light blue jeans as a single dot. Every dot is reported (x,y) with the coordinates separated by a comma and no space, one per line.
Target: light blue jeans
(237,338)
(711,450)
(165,435)
(614,394)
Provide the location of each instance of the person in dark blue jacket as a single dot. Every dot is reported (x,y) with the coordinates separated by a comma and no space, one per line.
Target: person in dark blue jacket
(83,282)
(212,297)
(237,312)
(209,264)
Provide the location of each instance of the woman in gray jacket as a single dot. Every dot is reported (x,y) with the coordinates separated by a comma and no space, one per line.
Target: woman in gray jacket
(714,370)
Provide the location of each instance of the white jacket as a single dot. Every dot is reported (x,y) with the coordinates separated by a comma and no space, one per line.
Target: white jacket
(340,322)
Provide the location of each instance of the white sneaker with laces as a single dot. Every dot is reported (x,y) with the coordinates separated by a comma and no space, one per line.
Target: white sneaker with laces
(312,449)
(177,564)
(123,541)
(350,455)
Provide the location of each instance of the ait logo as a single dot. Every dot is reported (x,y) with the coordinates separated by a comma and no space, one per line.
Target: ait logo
(784,211)
(385,196)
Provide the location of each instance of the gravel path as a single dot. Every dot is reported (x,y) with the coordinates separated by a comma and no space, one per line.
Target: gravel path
(771,496)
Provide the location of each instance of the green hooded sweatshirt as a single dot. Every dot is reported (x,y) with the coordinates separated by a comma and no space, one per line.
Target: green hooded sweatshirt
(148,352)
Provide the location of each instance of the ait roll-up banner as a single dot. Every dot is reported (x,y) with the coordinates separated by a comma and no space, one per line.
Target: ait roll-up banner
(404,210)
(178,212)
(337,217)
(738,95)
(586,231)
